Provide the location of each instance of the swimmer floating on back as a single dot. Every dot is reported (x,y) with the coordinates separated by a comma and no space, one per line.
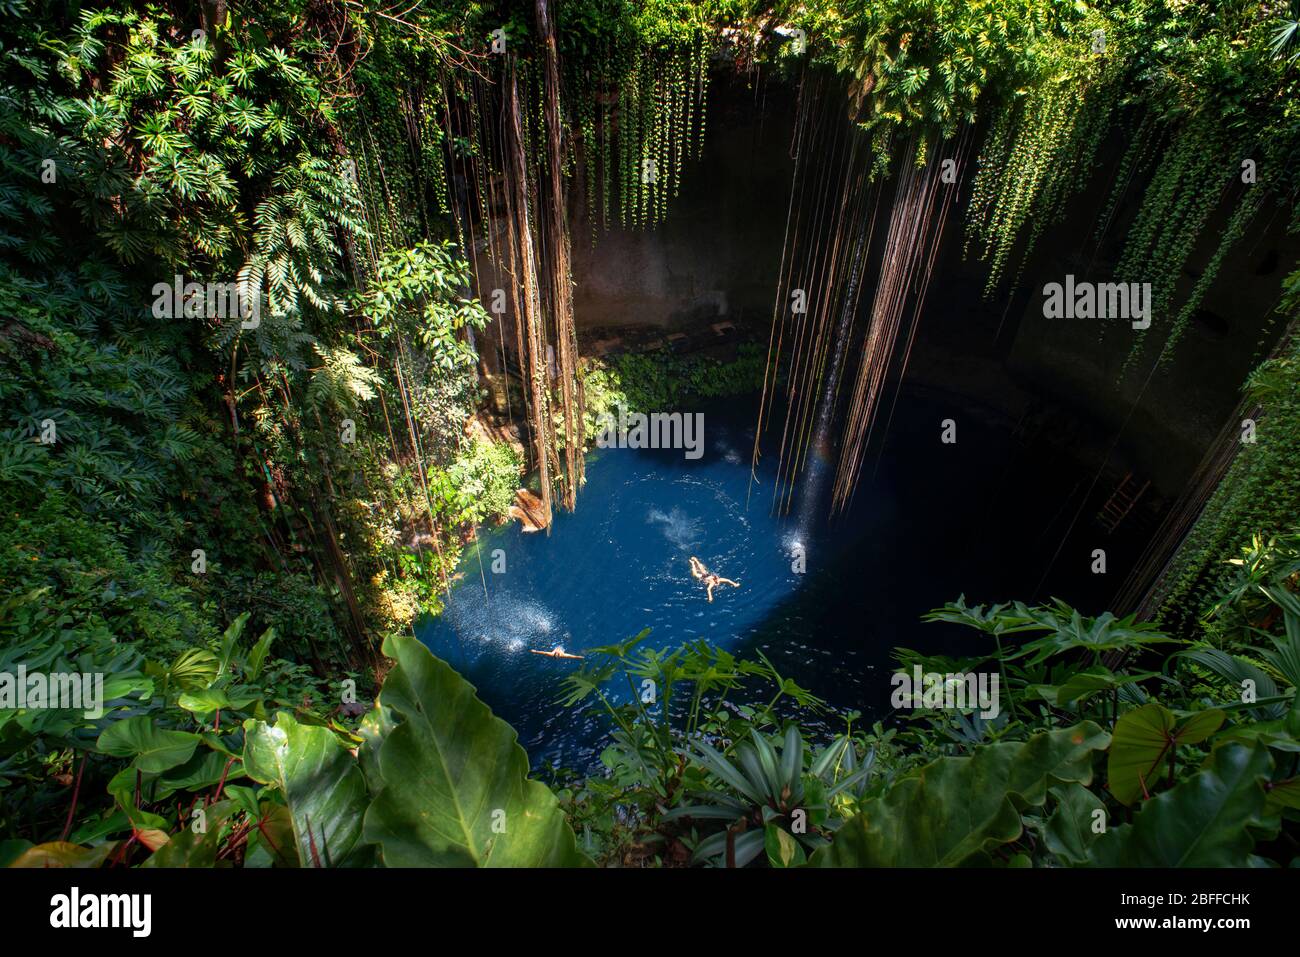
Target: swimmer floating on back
(711,580)
(556,652)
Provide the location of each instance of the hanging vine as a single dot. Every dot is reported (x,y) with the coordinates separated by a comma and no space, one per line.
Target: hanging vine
(1188,184)
(1041,146)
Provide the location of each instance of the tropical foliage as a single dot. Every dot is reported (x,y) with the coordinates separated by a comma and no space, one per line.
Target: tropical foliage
(234,514)
(1115,745)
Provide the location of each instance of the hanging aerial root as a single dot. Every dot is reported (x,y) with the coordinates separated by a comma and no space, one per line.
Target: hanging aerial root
(828,231)
(921,203)
(559,285)
(535,368)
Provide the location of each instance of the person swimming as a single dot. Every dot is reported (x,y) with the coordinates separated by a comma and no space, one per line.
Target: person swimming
(556,652)
(700,572)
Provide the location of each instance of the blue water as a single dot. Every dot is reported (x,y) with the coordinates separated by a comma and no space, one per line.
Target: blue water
(983,517)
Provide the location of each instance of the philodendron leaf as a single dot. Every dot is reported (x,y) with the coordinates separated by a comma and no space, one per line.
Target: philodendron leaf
(204,770)
(1075,823)
(1140,745)
(205,701)
(954,811)
(1144,739)
(455,790)
(1285,794)
(63,854)
(320,781)
(270,843)
(374,727)
(196,844)
(1204,821)
(153,749)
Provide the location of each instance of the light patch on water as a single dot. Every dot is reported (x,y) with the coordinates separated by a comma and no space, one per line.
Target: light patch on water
(678,527)
(729,454)
(505,621)
(534,619)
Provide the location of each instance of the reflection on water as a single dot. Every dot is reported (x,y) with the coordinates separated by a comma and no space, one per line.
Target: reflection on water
(927,528)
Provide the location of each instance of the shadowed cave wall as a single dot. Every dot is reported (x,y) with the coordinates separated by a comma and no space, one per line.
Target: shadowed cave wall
(718,255)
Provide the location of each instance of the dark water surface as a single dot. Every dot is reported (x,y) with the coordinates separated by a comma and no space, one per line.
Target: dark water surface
(984,517)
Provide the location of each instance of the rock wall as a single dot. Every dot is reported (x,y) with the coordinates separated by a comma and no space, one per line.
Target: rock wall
(719,253)
(719,250)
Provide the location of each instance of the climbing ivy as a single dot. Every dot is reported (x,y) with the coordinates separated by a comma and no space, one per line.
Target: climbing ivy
(1258,494)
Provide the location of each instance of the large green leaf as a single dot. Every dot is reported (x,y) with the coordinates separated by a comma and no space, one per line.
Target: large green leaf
(321,783)
(271,844)
(154,749)
(208,700)
(954,811)
(1071,829)
(455,790)
(63,854)
(374,727)
(1204,821)
(257,655)
(1144,740)
(1071,631)
(1084,684)
(204,770)
(194,669)
(228,641)
(191,848)
(782,849)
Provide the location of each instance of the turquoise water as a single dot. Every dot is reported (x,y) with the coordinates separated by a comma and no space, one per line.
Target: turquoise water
(934,521)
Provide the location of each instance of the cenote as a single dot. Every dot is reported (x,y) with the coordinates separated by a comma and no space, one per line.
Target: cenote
(914,539)
(313,319)
(1002,455)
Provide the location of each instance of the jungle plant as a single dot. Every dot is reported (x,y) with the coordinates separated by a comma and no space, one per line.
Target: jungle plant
(306,791)
(419,293)
(486,475)
(1212,748)
(659,703)
(924,66)
(1065,665)
(1263,583)
(1286,41)
(917,823)
(770,797)
(1252,499)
